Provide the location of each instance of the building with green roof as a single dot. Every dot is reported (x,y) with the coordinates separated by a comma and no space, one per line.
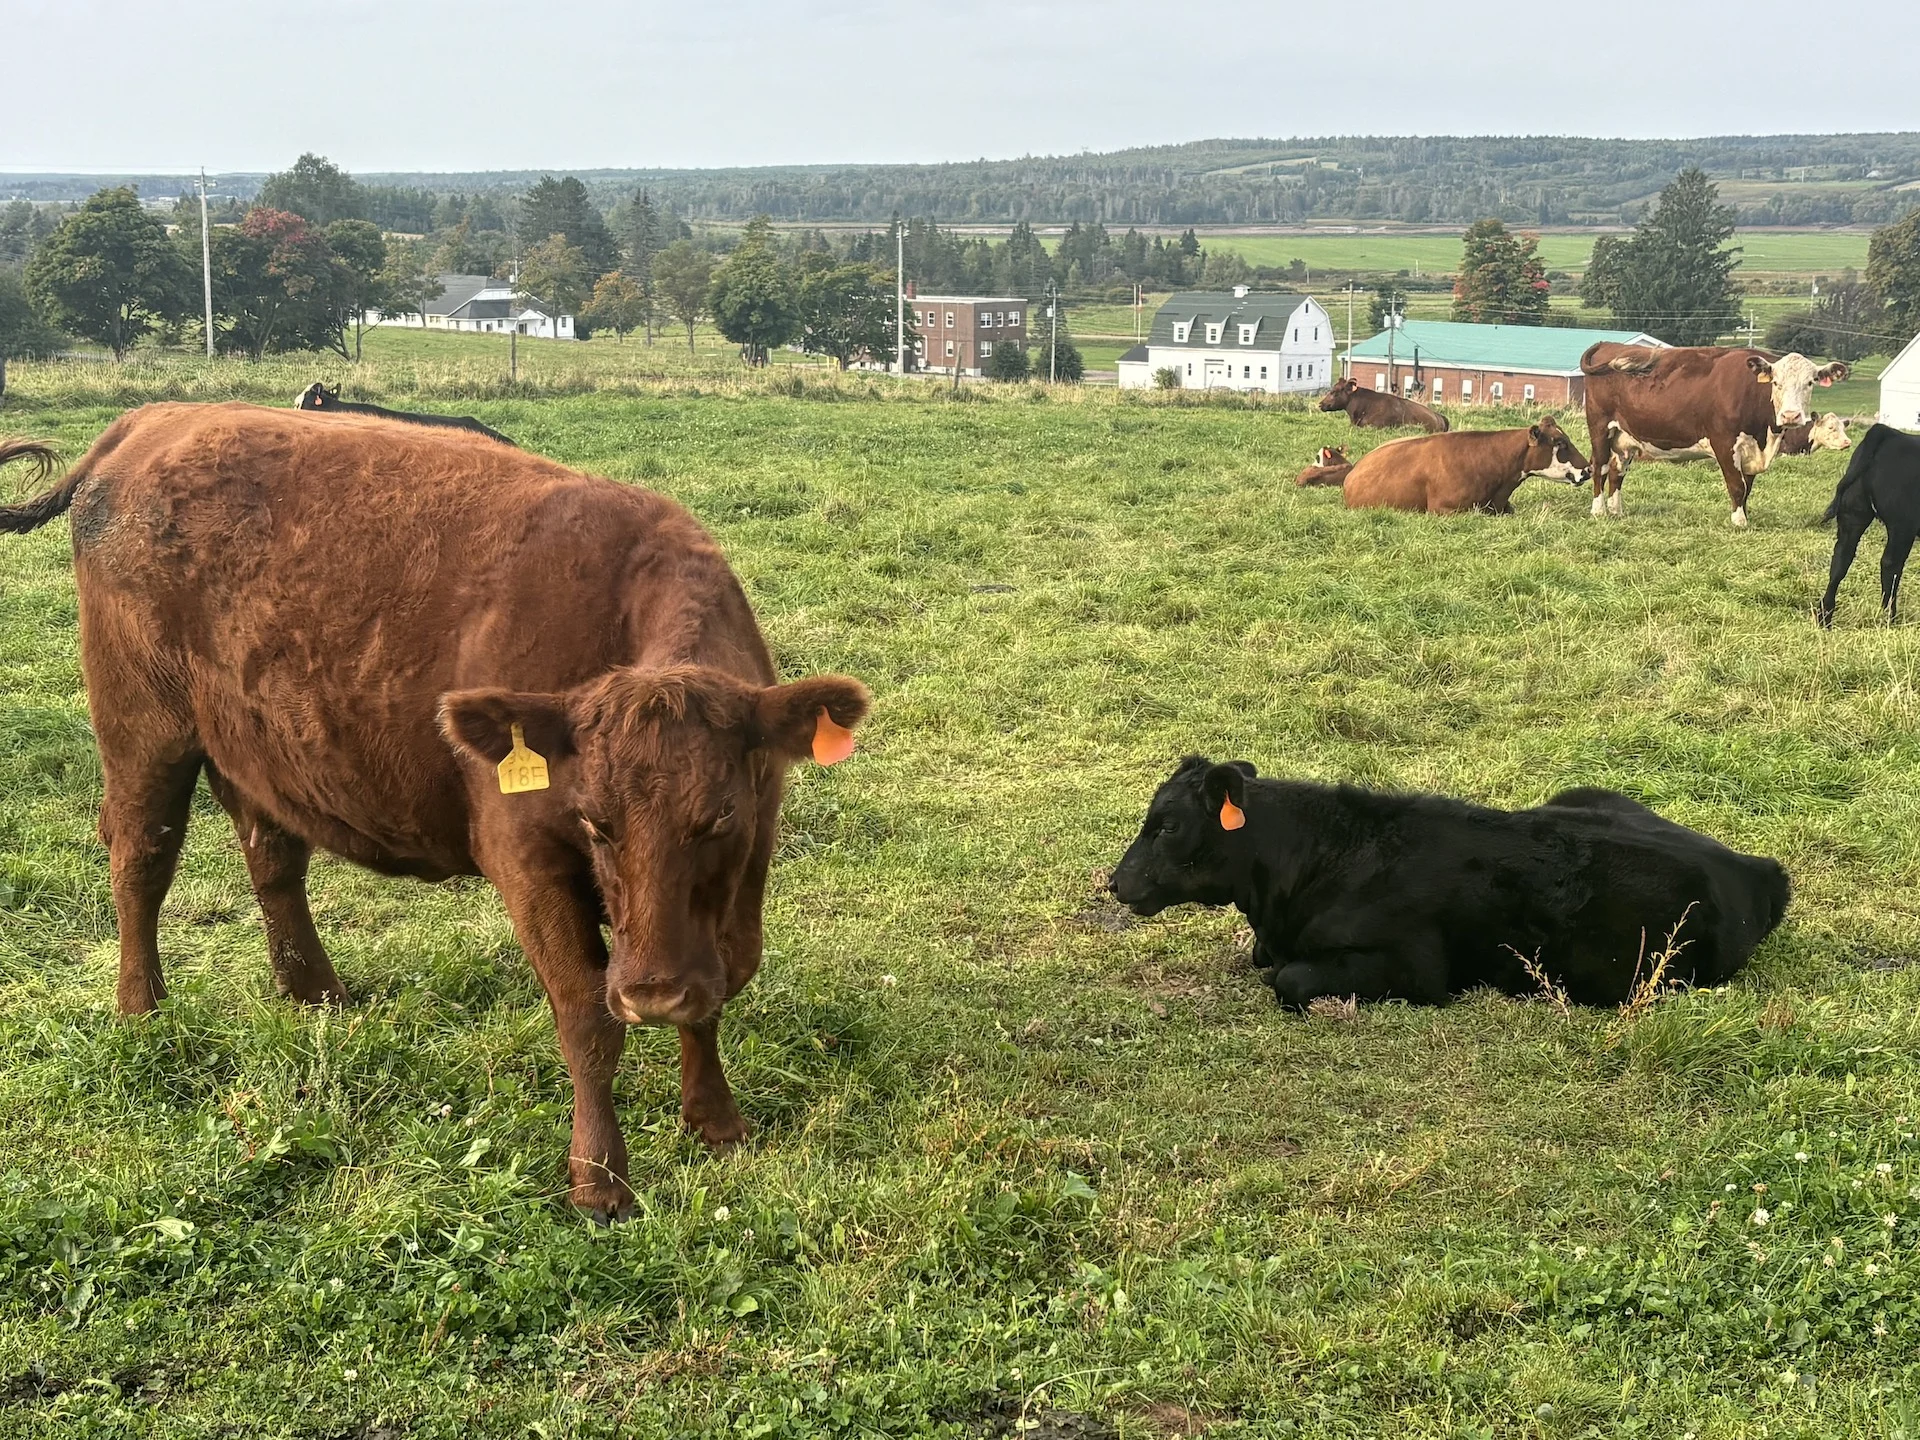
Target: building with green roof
(1447,361)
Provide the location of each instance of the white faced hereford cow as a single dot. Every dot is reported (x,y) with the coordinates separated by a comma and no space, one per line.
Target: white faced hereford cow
(435,655)
(1737,402)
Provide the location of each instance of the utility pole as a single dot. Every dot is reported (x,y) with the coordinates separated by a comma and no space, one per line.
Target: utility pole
(513,327)
(206,261)
(1393,332)
(1053,331)
(900,297)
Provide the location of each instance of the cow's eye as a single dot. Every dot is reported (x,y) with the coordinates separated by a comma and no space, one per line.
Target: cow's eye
(719,825)
(595,833)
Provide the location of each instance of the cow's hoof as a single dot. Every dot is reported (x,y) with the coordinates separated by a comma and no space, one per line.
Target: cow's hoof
(603,1204)
(1823,618)
(1616,507)
(719,1132)
(1599,505)
(1740,519)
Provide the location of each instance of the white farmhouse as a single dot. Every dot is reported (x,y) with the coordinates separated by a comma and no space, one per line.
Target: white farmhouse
(478,302)
(1238,341)
(1900,389)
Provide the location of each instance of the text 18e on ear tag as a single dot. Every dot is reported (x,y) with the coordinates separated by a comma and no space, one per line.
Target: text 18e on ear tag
(831,743)
(522,770)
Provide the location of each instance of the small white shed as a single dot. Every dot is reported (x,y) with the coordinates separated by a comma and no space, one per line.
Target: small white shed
(1900,389)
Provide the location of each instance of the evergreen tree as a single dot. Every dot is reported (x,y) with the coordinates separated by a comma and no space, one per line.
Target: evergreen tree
(1600,285)
(1009,362)
(753,299)
(1893,274)
(561,207)
(110,274)
(1502,281)
(1676,273)
(643,243)
(1388,299)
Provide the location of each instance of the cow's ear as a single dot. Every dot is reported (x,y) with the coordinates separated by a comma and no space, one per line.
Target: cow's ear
(480,723)
(1838,370)
(813,717)
(1536,433)
(1223,790)
(1761,366)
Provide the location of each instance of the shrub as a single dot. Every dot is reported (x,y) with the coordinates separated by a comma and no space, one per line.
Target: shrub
(1166,378)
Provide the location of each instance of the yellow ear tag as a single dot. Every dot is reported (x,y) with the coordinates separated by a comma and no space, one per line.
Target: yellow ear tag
(522,770)
(1764,379)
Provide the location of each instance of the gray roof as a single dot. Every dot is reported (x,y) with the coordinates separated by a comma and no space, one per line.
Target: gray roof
(1138,352)
(455,291)
(1222,307)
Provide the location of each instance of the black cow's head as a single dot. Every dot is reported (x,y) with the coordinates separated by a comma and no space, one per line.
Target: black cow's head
(1190,849)
(318,396)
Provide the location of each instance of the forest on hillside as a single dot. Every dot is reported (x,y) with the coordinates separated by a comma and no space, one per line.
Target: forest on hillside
(1769,179)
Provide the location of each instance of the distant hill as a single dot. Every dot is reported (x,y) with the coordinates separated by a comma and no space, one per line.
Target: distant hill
(1772,179)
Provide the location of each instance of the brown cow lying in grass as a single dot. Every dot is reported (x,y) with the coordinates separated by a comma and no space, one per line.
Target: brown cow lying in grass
(1468,470)
(1330,469)
(560,687)
(1379,411)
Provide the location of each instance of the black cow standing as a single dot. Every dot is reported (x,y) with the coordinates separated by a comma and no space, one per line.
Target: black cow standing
(318,396)
(1418,897)
(1882,482)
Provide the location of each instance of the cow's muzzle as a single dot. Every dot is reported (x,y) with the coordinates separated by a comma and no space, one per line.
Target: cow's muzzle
(661,1002)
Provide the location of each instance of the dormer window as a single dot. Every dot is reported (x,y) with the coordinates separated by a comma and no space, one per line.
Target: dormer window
(1247,333)
(1181,329)
(1213,334)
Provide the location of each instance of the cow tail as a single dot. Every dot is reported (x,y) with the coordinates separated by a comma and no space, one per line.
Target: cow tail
(1863,454)
(32,514)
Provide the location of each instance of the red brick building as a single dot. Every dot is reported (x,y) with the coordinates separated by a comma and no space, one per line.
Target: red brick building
(1452,363)
(962,331)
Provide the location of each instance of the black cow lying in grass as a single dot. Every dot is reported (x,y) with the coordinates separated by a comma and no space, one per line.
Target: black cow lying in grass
(321,397)
(1417,897)
(1882,482)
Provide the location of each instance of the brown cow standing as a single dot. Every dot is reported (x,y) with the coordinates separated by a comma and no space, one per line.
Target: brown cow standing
(1643,397)
(1329,469)
(350,623)
(1380,411)
(1471,470)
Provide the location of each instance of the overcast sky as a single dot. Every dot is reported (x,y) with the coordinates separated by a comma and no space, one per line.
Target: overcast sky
(112,85)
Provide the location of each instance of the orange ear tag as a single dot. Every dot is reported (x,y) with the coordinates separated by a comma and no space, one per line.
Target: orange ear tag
(1827,384)
(522,770)
(831,743)
(1232,817)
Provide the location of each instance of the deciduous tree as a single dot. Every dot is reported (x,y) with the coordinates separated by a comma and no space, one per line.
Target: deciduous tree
(315,189)
(276,284)
(409,280)
(846,311)
(1501,281)
(22,332)
(1600,285)
(109,274)
(361,251)
(753,298)
(616,304)
(554,276)
(683,273)
(1893,273)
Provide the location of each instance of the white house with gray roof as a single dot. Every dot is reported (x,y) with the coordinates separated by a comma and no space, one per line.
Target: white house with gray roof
(481,303)
(1221,340)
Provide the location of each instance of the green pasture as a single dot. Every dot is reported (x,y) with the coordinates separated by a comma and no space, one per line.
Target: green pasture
(1764,251)
(1023,1165)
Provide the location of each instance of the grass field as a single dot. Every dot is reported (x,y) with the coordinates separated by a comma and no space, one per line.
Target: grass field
(1023,1165)
(1823,252)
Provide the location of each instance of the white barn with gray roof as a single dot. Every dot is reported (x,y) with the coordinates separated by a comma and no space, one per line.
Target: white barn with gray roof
(480,303)
(1221,340)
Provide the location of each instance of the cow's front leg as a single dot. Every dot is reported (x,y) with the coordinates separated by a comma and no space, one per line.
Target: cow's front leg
(558,921)
(706,1100)
(1736,483)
